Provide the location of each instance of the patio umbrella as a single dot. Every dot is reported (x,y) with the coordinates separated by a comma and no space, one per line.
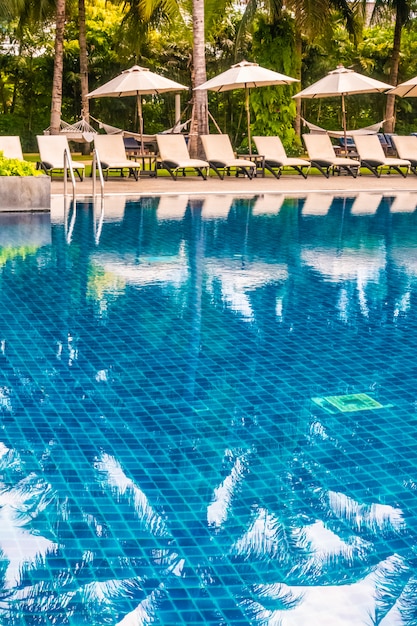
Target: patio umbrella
(407,89)
(342,82)
(136,81)
(245,75)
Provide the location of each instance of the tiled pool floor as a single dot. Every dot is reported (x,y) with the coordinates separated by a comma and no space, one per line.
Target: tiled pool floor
(209,412)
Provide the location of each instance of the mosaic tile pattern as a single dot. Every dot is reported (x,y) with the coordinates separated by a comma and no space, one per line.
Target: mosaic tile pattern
(161,458)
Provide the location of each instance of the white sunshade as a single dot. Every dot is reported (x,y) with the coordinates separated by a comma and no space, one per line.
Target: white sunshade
(134,81)
(408,89)
(343,81)
(246,75)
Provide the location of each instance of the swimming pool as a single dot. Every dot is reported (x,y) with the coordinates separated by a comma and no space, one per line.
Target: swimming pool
(209,412)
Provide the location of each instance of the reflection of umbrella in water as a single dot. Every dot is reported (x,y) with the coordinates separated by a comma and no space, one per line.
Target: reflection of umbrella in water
(342,82)
(136,81)
(245,75)
(150,271)
(348,264)
(405,259)
(237,282)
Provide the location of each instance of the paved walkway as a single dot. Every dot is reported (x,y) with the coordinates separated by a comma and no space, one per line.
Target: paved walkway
(287,184)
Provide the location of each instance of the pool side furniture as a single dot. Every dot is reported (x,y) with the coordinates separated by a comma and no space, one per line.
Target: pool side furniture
(11,147)
(111,153)
(276,159)
(372,156)
(321,154)
(175,158)
(219,153)
(51,154)
(406,148)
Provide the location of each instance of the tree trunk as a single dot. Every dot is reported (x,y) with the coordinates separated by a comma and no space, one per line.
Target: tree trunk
(389,125)
(299,59)
(199,117)
(58,68)
(82,37)
(85,111)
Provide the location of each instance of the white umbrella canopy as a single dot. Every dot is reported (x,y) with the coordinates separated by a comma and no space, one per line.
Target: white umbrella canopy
(246,75)
(342,82)
(407,89)
(136,81)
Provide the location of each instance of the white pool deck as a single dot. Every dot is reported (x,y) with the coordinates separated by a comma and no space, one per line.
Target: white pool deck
(288,184)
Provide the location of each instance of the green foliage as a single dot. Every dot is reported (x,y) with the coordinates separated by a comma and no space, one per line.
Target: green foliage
(273,107)
(15,167)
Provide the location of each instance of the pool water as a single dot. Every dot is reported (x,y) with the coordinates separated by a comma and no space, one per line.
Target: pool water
(209,412)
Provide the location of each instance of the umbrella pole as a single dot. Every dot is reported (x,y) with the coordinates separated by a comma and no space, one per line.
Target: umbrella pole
(140,119)
(344,122)
(248,118)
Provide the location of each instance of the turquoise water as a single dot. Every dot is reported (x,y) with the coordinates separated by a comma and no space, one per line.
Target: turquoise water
(208,412)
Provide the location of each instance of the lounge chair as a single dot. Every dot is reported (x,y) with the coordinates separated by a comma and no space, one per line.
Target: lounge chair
(11,147)
(220,155)
(276,158)
(111,153)
(406,148)
(175,158)
(51,154)
(322,156)
(372,156)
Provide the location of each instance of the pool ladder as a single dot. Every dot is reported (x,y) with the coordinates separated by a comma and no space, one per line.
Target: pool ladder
(96,166)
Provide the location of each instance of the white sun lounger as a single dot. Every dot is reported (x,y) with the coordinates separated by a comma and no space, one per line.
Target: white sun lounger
(175,158)
(372,156)
(322,156)
(219,153)
(111,153)
(11,147)
(276,159)
(406,148)
(51,154)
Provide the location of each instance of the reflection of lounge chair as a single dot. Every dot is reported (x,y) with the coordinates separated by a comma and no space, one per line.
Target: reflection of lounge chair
(172,207)
(406,147)
(372,156)
(175,157)
(51,154)
(268,204)
(276,159)
(317,204)
(220,155)
(322,156)
(366,203)
(11,147)
(112,155)
(404,202)
(216,207)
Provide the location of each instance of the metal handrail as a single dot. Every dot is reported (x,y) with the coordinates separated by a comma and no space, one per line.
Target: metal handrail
(68,165)
(96,165)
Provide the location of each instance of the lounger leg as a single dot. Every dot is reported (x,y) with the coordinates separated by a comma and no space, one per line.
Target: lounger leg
(217,171)
(201,173)
(399,170)
(171,172)
(271,169)
(323,170)
(300,171)
(246,171)
(372,168)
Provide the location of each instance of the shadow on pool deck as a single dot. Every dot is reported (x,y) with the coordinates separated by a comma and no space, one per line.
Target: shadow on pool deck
(286,184)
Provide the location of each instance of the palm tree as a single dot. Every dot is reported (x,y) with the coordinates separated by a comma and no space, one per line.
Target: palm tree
(56,100)
(83,60)
(199,120)
(402,11)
